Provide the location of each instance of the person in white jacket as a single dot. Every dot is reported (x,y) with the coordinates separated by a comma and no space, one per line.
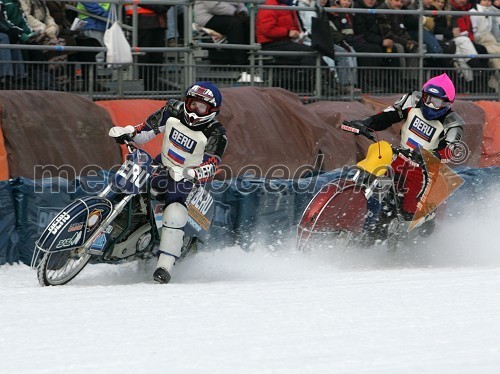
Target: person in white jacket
(39,18)
(482,27)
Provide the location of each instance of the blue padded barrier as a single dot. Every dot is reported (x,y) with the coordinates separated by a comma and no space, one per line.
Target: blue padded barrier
(248,211)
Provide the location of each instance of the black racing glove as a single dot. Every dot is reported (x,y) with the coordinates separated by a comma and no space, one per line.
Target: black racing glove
(124,138)
(360,126)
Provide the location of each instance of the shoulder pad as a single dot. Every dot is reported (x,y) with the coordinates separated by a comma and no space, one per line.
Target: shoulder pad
(156,120)
(213,127)
(415,97)
(174,108)
(400,105)
(408,100)
(452,119)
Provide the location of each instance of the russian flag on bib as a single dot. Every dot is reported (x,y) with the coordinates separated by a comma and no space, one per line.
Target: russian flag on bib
(175,156)
(412,143)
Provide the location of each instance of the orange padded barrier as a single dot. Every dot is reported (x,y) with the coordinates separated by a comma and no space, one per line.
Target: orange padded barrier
(491,133)
(133,112)
(4,165)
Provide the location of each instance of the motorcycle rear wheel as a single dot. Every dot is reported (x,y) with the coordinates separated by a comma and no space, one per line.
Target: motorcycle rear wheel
(58,268)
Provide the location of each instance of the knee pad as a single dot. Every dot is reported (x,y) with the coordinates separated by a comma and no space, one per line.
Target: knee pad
(175,216)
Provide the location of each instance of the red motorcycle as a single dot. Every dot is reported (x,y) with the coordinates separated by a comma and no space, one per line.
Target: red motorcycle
(363,206)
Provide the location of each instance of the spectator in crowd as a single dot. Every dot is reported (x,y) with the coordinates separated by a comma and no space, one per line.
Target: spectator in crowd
(446,29)
(229,19)
(367,32)
(11,74)
(347,66)
(432,45)
(39,18)
(280,30)
(175,21)
(496,20)
(94,27)
(392,27)
(464,28)
(74,38)
(151,25)
(482,27)
(41,21)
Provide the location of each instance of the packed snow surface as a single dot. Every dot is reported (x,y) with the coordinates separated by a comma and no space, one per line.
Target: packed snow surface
(434,308)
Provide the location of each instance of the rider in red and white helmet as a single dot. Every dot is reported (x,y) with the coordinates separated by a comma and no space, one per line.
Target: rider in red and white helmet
(202,103)
(193,145)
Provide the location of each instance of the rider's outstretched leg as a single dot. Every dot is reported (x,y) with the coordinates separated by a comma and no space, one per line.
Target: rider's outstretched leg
(175,218)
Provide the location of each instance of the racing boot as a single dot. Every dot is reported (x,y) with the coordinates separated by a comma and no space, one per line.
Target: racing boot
(175,218)
(161,275)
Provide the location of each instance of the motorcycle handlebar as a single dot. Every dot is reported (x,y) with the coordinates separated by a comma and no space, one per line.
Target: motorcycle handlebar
(357,128)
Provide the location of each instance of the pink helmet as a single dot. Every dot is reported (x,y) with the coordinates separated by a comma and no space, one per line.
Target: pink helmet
(438,94)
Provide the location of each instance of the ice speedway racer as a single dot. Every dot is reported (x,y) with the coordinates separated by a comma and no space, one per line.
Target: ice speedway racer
(122,223)
(362,207)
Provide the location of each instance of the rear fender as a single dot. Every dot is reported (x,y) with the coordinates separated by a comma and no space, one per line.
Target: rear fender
(74,224)
(340,205)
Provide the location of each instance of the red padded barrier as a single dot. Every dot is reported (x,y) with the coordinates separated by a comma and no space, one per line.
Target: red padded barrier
(133,112)
(491,133)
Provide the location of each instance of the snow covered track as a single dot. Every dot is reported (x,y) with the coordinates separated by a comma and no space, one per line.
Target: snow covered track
(428,310)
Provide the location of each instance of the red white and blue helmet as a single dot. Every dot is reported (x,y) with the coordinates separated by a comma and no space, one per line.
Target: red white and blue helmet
(438,94)
(202,103)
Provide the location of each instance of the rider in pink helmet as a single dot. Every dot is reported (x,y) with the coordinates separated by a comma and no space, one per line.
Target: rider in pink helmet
(428,123)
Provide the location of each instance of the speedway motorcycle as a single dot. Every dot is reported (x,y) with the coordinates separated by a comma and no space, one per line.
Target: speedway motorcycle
(122,223)
(363,206)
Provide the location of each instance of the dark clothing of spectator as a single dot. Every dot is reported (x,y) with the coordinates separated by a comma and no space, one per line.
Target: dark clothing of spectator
(366,29)
(344,23)
(230,20)
(75,38)
(151,33)
(392,27)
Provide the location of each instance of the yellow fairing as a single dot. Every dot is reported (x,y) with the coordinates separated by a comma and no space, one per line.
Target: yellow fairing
(379,156)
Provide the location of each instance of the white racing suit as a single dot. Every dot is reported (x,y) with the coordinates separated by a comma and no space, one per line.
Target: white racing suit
(197,148)
(438,136)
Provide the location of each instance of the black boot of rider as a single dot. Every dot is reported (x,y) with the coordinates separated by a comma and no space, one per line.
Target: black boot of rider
(161,275)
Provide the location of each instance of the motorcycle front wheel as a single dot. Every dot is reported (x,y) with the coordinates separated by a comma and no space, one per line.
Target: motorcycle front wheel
(58,268)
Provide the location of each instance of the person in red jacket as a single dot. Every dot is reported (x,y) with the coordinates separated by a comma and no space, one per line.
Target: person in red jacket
(464,25)
(279,30)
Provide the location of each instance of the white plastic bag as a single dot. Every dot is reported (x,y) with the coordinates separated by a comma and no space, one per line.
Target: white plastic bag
(118,49)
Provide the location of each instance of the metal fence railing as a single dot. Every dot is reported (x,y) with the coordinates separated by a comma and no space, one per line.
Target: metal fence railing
(196,57)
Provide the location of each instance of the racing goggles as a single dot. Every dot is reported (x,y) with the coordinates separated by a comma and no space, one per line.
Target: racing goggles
(201,108)
(435,102)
